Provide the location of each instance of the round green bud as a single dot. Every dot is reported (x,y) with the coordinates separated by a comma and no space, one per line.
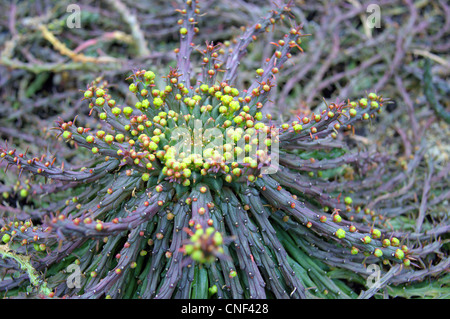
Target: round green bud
(399,254)
(363,102)
(120,138)
(337,218)
(372,96)
(378,252)
(133,88)
(109,138)
(158,102)
(99,92)
(376,234)
(198,255)
(66,135)
(186,183)
(340,233)
(127,111)
(149,76)
(238,120)
(218,239)
(145,103)
(100,101)
(143,253)
(88,94)
(213,290)
(23,192)
(395,242)
(189,249)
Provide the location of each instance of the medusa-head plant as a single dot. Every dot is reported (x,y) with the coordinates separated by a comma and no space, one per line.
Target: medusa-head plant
(192,193)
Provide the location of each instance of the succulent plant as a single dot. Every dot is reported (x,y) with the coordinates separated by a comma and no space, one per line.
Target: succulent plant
(194,192)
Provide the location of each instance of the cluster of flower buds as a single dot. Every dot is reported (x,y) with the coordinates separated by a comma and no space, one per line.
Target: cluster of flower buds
(197,153)
(205,245)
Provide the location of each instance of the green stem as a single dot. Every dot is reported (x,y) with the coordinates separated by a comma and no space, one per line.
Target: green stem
(25,264)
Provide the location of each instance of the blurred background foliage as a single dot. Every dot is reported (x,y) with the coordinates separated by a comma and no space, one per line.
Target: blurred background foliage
(44,64)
